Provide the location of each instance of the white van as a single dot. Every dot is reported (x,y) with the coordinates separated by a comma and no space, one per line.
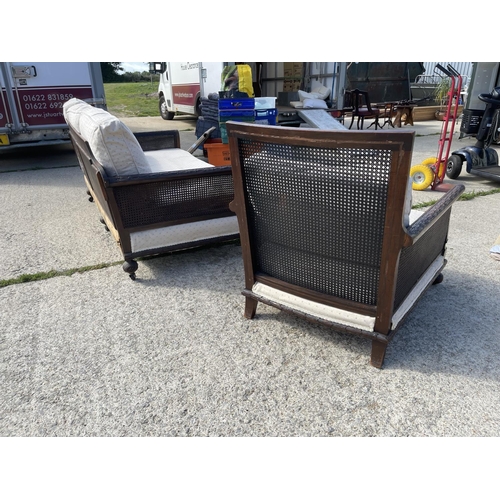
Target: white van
(183,84)
(32,95)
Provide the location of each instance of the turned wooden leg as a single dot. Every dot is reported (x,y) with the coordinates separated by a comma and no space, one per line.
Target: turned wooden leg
(250,307)
(397,120)
(130,267)
(378,353)
(409,118)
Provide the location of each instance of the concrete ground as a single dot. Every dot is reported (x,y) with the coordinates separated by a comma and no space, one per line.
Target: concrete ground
(97,354)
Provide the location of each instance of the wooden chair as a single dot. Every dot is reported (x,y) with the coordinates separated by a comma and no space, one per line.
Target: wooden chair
(327,230)
(361,108)
(347,108)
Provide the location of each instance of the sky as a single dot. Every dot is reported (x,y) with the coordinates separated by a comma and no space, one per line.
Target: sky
(131,67)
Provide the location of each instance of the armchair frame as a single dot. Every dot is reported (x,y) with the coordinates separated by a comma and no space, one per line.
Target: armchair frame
(321,226)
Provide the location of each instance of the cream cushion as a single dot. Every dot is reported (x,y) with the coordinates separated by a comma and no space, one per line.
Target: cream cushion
(408,203)
(171,160)
(180,234)
(314,103)
(111,141)
(72,111)
(320,92)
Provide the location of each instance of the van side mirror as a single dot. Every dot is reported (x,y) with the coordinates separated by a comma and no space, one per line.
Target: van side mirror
(157,67)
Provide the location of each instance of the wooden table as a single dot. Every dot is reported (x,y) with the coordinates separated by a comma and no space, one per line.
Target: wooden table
(400,112)
(406,111)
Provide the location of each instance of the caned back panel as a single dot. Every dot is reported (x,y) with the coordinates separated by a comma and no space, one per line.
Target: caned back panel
(316,215)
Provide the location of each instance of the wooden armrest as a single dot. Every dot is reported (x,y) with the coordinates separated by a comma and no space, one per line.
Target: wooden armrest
(161,139)
(165,176)
(427,220)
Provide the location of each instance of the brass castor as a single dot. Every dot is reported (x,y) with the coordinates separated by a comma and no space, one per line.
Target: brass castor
(130,267)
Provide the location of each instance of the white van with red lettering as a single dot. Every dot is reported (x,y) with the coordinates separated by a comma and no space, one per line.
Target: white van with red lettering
(32,95)
(183,84)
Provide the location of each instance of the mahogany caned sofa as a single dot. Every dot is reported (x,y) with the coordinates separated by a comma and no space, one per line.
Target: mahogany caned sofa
(153,196)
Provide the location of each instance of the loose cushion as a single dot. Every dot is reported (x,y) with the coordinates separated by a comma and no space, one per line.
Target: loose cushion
(314,103)
(307,95)
(111,141)
(408,203)
(72,111)
(320,92)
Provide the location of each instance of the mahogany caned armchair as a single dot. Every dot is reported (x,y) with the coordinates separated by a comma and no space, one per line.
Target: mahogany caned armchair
(326,227)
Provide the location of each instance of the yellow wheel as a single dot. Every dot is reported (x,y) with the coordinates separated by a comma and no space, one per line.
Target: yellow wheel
(429,161)
(421,177)
(441,169)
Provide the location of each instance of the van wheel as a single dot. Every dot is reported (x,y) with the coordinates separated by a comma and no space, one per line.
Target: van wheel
(454,166)
(198,107)
(164,112)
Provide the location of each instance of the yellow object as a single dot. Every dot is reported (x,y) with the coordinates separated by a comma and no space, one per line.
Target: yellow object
(441,169)
(4,140)
(429,161)
(237,77)
(421,177)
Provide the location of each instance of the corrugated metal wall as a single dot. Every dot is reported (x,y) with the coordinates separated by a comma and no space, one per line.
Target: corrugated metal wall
(464,68)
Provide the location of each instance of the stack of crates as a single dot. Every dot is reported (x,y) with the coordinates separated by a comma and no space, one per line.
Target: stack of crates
(265,110)
(240,109)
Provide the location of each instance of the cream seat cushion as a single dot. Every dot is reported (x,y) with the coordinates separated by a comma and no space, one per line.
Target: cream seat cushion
(172,160)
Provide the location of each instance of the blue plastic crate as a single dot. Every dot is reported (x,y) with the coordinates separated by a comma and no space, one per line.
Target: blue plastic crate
(242,103)
(266,116)
(222,125)
(238,115)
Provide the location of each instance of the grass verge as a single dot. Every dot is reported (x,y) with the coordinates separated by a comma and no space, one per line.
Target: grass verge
(462,197)
(132,99)
(25,278)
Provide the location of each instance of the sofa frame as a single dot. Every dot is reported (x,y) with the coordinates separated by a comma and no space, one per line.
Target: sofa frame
(133,205)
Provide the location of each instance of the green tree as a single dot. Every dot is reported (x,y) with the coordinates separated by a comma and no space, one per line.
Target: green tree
(109,72)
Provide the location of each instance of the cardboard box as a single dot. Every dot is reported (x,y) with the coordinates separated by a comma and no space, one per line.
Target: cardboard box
(297,69)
